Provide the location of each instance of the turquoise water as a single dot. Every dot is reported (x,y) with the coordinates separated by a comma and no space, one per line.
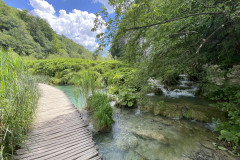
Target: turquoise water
(137,135)
(69,91)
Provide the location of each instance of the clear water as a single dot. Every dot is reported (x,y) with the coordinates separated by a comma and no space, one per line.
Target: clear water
(69,91)
(142,136)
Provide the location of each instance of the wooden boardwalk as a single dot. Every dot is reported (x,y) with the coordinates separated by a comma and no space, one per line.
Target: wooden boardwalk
(58,131)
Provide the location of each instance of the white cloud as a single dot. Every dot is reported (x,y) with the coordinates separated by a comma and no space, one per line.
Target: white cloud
(75,25)
(106,5)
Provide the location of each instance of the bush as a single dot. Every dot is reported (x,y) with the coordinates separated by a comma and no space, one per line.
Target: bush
(18,99)
(102,111)
(228,100)
(68,70)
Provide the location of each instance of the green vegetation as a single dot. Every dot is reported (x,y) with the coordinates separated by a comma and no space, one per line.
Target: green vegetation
(157,39)
(32,36)
(173,37)
(98,103)
(119,77)
(18,99)
(102,111)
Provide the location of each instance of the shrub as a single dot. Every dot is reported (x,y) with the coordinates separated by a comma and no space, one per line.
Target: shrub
(102,111)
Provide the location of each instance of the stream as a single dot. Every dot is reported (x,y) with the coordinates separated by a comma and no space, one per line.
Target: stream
(138,135)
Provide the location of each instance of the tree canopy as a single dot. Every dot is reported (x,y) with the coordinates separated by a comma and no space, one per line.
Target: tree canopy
(175,33)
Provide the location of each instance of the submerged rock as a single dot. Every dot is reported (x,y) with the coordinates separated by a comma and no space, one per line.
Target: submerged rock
(131,155)
(149,134)
(129,141)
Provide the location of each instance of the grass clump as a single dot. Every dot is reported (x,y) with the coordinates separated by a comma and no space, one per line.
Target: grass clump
(102,111)
(97,103)
(18,99)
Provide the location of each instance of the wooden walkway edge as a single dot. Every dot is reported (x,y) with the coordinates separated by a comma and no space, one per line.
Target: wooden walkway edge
(58,132)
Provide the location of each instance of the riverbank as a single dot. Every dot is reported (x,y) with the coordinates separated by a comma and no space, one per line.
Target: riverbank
(141,135)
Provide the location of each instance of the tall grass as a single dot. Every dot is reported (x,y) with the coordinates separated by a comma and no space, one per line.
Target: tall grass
(102,111)
(85,86)
(18,99)
(98,103)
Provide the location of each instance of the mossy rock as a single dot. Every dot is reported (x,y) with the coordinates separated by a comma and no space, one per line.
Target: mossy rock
(202,113)
(166,110)
(157,91)
(197,115)
(148,107)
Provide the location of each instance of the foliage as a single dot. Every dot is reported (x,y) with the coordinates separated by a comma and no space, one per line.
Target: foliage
(103,117)
(228,98)
(69,70)
(85,86)
(122,83)
(29,35)
(127,96)
(18,99)
(165,32)
(102,111)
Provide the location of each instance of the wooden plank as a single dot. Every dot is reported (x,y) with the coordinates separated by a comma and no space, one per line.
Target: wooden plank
(59,123)
(96,158)
(55,128)
(59,151)
(78,154)
(52,145)
(88,154)
(45,143)
(72,153)
(56,131)
(63,148)
(46,138)
(59,132)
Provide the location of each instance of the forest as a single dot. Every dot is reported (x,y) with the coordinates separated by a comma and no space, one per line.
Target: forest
(157,47)
(32,36)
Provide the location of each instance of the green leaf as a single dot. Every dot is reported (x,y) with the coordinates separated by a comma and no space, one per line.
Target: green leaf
(222,148)
(130,104)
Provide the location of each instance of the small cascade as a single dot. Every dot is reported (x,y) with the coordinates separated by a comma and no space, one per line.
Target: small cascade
(184,88)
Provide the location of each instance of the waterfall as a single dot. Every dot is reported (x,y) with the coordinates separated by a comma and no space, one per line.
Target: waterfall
(185,88)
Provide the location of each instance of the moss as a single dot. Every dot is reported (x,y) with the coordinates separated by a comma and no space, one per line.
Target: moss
(171,111)
(197,115)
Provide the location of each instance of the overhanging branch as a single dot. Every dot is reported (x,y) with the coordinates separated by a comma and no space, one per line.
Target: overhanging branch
(174,19)
(210,36)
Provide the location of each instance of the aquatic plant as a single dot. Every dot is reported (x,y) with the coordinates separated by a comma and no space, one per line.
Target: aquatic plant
(18,99)
(102,111)
(85,86)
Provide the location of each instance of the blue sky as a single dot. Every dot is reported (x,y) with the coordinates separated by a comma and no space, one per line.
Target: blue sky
(72,18)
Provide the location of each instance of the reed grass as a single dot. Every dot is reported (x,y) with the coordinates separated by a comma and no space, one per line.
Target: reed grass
(18,99)
(96,102)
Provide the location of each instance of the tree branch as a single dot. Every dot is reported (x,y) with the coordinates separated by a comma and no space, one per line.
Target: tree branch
(174,19)
(210,36)
(187,32)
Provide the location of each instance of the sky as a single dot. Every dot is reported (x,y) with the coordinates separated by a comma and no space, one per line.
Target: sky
(72,18)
